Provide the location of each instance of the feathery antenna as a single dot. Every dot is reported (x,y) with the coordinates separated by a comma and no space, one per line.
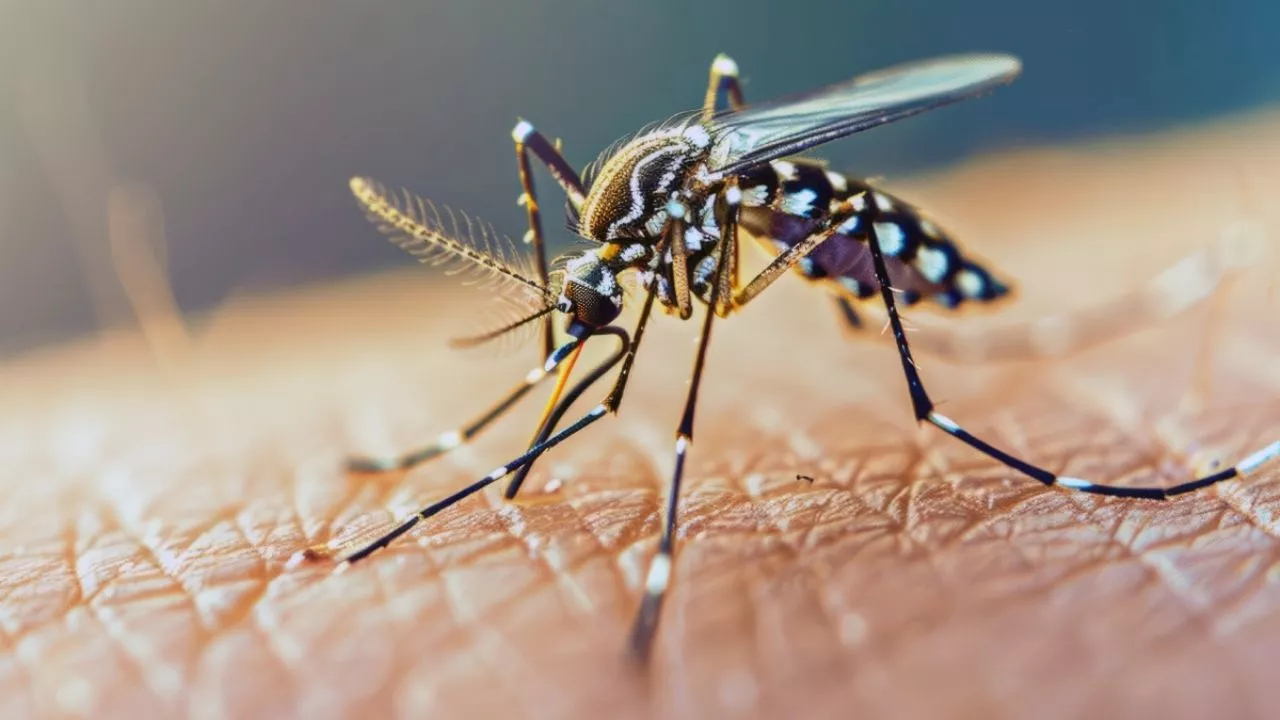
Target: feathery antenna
(418,226)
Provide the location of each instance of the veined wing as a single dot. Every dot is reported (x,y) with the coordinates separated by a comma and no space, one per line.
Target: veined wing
(788,126)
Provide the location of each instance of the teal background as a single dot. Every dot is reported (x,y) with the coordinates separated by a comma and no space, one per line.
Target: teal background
(245,118)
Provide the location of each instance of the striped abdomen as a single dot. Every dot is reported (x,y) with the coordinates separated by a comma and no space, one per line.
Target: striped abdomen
(786,201)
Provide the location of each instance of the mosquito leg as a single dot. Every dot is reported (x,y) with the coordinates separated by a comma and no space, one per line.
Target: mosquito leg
(609,405)
(455,438)
(561,408)
(528,140)
(924,411)
(612,402)
(724,77)
(842,221)
(660,567)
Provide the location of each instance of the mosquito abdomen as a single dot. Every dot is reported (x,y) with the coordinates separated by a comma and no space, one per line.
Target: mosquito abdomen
(785,201)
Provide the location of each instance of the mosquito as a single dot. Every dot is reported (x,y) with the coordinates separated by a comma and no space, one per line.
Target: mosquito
(669,204)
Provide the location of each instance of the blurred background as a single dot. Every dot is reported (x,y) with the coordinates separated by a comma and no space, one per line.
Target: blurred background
(210,143)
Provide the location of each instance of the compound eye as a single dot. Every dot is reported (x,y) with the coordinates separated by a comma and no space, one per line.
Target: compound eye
(590,307)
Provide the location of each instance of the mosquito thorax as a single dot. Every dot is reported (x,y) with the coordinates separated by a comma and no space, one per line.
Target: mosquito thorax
(629,196)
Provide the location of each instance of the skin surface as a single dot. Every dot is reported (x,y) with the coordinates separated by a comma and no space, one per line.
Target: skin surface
(156,487)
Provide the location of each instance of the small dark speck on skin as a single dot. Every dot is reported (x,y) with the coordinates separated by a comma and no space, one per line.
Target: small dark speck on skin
(309,555)
(806,478)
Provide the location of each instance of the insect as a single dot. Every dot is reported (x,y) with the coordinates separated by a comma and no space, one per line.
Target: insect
(670,204)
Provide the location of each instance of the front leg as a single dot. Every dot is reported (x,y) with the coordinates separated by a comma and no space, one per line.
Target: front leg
(724,76)
(529,140)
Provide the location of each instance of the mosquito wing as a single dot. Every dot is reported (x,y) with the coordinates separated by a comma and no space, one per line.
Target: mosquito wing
(788,126)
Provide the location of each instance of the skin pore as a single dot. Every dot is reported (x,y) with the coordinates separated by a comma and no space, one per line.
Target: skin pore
(154,498)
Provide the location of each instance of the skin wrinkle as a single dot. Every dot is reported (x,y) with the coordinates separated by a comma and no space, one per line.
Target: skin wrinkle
(974,583)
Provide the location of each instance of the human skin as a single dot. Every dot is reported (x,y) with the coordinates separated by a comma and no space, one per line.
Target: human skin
(155,492)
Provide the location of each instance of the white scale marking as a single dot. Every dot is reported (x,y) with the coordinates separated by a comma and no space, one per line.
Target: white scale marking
(608,285)
(724,65)
(850,226)
(1254,461)
(697,135)
(1074,482)
(659,574)
(944,422)
(733,195)
(799,202)
(637,197)
(693,239)
(654,224)
(522,131)
(632,252)
(970,283)
(755,196)
(449,440)
(892,240)
(932,263)
(785,170)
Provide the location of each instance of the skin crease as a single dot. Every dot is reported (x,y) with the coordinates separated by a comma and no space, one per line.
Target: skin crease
(156,490)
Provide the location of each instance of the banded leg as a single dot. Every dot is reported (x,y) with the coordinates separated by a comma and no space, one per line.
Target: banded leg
(841,221)
(724,77)
(626,353)
(553,416)
(612,402)
(529,140)
(660,567)
(924,411)
(455,438)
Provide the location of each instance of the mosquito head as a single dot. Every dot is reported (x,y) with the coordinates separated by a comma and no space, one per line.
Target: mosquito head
(591,295)
(628,197)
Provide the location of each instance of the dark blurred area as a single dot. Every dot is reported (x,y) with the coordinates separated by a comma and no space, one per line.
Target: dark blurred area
(223,133)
